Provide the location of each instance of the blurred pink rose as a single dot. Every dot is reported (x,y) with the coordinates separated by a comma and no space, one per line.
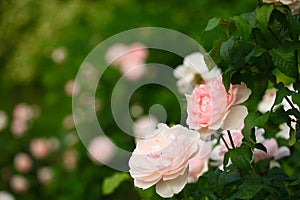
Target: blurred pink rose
(272,151)
(198,165)
(22,115)
(71,88)
(45,175)
(70,159)
(101,150)
(130,59)
(210,107)
(39,148)
(19,184)
(22,162)
(18,127)
(163,159)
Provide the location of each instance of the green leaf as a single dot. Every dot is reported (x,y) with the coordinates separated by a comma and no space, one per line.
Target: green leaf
(226,49)
(110,184)
(296,98)
(291,141)
(232,177)
(248,190)
(280,116)
(241,157)
(255,52)
(280,94)
(284,60)
(242,26)
(295,182)
(253,120)
(212,23)
(261,147)
(263,15)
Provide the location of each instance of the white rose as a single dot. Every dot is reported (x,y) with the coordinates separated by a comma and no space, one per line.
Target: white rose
(163,159)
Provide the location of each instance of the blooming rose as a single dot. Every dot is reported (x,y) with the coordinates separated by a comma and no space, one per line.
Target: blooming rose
(294,5)
(163,159)
(211,108)
(198,165)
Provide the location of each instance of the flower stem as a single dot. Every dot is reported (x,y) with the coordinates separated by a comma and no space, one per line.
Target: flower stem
(224,142)
(290,103)
(230,138)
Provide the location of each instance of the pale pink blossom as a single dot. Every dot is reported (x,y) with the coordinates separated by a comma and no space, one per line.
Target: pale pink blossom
(162,159)
(22,162)
(6,196)
(18,127)
(39,148)
(188,74)
(19,184)
(272,151)
(217,154)
(45,175)
(70,159)
(198,165)
(101,150)
(71,88)
(129,58)
(144,127)
(59,55)
(23,114)
(211,108)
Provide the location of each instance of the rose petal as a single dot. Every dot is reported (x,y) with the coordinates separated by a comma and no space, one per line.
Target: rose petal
(196,62)
(243,93)
(168,188)
(282,152)
(235,118)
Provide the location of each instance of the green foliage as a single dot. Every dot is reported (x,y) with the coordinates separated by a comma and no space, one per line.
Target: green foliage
(113,182)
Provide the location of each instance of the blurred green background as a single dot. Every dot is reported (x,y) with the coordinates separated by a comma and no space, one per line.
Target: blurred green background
(43,44)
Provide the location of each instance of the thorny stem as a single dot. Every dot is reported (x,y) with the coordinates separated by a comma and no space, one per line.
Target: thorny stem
(230,138)
(225,142)
(289,101)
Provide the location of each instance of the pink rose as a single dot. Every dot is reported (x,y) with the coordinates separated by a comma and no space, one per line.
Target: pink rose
(129,59)
(163,159)
(45,175)
(272,151)
(22,162)
(19,184)
(39,148)
(211,108)
(198,165)
(101,150)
